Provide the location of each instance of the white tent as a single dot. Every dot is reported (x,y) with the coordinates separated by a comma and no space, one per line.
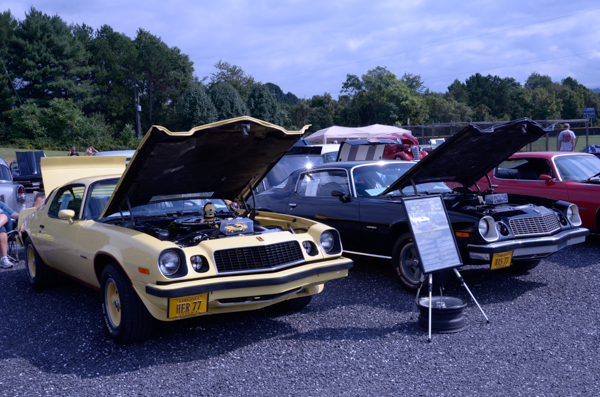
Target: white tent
(328,135)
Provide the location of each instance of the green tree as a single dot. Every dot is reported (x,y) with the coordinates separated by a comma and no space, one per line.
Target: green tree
(263,105)
(324,112)
(536,80)
(48,61)
(545,105)
(289,98)
(446,109)
(414,82)
(8,24)
(227,101)
(234,75)
(196,108)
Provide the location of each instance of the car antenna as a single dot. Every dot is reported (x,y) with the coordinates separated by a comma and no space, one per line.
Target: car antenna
(21,102)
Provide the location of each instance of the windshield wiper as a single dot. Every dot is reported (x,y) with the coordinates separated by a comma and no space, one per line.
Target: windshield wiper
(591,177)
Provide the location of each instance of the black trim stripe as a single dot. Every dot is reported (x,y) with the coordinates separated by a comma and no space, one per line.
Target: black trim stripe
(225,285)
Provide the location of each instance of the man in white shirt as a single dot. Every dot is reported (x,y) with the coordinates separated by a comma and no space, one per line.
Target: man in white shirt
(566,139)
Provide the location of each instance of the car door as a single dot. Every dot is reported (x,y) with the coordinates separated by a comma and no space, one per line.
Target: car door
(521,176)
(57,238)
(312,199)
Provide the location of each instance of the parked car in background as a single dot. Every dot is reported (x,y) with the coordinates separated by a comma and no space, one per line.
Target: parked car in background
(363,201)
(379,149)
(569,176)
(11,193)
(28,171)
(160,241)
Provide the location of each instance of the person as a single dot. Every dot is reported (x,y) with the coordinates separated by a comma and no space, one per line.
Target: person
(73,152)
(38,200)
(7,214)
(566,139)
(90,151)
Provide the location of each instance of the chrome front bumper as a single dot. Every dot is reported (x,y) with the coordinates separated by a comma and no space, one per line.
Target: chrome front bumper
(538,247)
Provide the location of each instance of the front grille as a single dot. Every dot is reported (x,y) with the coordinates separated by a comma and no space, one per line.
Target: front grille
(535,225)
(259,258)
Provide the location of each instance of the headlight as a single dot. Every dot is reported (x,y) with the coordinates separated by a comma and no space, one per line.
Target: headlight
(327,241)
(168,263)
(573,215)
(199,263)
(310,248)
(487,228)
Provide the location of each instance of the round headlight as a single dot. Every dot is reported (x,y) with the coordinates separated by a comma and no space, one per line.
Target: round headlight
(168,263)
(307,247)
(327,241)
(573,215)
(199,263)
(483,227)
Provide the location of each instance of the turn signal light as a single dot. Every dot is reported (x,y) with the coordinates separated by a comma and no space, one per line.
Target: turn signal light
(462,234)
(143,270)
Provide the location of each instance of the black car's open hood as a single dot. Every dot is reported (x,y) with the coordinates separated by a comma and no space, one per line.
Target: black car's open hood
(471,153)
(29,162)
(229,158)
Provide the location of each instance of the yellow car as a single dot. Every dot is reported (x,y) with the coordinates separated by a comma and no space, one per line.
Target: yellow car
(138,236)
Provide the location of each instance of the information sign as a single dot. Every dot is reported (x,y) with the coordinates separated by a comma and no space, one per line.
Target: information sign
(589,113)
(432,233)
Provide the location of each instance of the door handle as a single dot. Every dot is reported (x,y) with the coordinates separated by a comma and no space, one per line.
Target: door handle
(293,205)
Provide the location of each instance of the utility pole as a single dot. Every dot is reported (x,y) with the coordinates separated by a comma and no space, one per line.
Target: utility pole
(138,109)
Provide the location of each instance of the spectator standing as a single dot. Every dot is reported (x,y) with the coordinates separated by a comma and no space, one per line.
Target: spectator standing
(7,214)
(90,151)
(73,152)
(566,139)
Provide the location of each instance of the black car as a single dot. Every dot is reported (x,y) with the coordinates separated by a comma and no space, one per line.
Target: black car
(363,200)
(27,171)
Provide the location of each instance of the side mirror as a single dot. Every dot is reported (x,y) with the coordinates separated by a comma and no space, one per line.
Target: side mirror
(341,194)
(549,180)
(66,215)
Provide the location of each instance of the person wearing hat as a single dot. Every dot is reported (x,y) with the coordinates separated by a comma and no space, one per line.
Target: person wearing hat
(566,139)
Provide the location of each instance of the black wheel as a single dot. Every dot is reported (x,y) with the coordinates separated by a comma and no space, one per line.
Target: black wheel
(293,305)
(405,263)
(38,273)
(125,315)
(523,266)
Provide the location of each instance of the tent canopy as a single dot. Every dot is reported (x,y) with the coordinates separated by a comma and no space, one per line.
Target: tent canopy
(328,135)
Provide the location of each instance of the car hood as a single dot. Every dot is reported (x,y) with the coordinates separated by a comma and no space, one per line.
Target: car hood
(228,158)
(471,153)
(29,162)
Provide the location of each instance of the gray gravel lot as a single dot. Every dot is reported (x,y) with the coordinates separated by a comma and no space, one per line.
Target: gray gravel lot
(356,338)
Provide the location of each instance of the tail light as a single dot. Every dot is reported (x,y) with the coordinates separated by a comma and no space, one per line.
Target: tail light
(21,192)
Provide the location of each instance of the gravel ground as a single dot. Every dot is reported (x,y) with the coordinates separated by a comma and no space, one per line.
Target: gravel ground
(356,338)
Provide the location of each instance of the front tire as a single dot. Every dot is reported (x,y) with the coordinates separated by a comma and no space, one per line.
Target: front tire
(405,262)
(40,276)
(125,315)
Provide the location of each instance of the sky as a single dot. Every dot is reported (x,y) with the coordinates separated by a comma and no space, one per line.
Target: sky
(308,47)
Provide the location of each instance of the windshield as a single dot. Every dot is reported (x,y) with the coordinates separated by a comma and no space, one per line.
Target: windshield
(372,179)
(289,164)
(577,168)
(101,192)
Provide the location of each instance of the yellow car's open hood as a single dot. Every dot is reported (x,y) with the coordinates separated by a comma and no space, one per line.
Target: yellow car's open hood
(226,159)
(57,171)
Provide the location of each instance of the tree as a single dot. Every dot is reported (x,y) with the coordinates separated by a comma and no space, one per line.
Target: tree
(545,105)
(536,80)
(8,24)
(446,109)
(195,108)
(262,105)
(227,101)
(233,75)
(48,61)
(413,82)
(289,98)
(324,111)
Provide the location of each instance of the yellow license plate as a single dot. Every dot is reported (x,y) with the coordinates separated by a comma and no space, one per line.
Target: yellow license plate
(501,259)
(187,306)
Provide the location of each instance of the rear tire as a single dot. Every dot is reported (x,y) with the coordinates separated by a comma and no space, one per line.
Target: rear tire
(125,315)
(40,276)
(405,262)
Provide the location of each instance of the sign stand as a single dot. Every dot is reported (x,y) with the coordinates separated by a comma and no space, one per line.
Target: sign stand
(434,243)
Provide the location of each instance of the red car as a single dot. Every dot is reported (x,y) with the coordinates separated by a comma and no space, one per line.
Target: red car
(569,176)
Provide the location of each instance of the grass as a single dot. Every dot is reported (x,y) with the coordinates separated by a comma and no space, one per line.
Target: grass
(8,153)
(540,144)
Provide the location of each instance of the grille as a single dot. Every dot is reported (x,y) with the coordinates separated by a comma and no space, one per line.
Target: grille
(264,257)
(535,225)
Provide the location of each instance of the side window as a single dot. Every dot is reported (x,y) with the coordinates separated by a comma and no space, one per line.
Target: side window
(67,199)
(98,199)
(321,184)
(523,169)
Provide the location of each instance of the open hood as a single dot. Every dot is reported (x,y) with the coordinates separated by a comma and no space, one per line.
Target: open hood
(29,162)
(228,158)
(471,153)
